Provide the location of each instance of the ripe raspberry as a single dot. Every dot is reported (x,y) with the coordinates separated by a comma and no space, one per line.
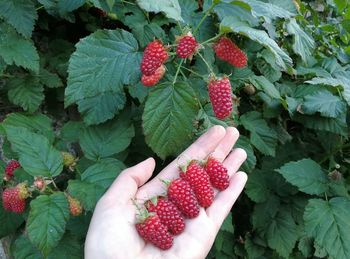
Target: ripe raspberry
(181,194)
(154,78)
(199,181)
(154,56)
(168,214)
(226,50)
(13,199)
(187,46)
(220,93)
(74,206)
(219,177)
(11,167)
(153,231)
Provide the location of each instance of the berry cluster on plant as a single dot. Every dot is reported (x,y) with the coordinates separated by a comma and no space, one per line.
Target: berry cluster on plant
(220,90)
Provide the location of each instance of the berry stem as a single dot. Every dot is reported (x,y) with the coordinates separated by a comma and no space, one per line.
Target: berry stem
(177,71)
(54,184)
(206,63)
(127,2)
(38,8)
(195,73)
(212,39)
(203,18)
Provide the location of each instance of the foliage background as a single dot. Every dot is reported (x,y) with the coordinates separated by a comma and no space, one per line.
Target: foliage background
(70,78)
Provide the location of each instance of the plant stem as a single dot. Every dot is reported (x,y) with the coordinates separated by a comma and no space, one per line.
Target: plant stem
(7,75)
(203,18)
(40,7)
(211,39)
(182,73)
(193,72)
(177,71)
(206,63)
(54,184)
(127,2)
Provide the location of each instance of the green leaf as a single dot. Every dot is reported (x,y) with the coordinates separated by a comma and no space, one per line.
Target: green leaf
(227,224)
(97,88)
(36,155)
(262,136)
(95,181)
(324,102)
(282,233)
(38,123)
(236,12)
(62,7)
(305,246)
(26,92)
(147,33)
(303,44)
(267,10)
(102,107)
(14,49)
(68,248)
(316,122)
(9,222)
(51,80)
(21,14)
(71,131)
(264,213)
(328,223)
(306,174)
(253,250)
(47,221)
(244,143)
(170,8)
(168,118)
(24,249)
(257,187)
(282,58)
(103,173)
(87,193)
(107,139)
(261,83)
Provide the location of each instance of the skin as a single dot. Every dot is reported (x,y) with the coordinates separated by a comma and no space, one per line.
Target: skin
(112,232)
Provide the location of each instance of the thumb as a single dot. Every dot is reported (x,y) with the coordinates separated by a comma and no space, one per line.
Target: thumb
(127,183)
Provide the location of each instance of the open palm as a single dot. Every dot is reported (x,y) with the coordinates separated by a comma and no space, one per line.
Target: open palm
(112,232)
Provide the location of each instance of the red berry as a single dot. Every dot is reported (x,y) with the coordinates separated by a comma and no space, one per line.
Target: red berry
(74,206)
(152,230)
(219,177)
(154,56)
(226,50)
(168,214)
(13,199)
(187,46)
(11,167)
(154,78)
(220,93)
(181,194)
(199,181)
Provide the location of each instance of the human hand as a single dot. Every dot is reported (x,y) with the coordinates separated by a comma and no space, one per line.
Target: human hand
(112,232)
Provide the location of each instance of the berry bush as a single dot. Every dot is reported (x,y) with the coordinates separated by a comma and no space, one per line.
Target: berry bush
(90,87)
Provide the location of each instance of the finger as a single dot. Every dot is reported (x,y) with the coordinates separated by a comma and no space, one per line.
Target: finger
(224,201)
(226,144)
(125,186)
(200,149)
(234,160)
